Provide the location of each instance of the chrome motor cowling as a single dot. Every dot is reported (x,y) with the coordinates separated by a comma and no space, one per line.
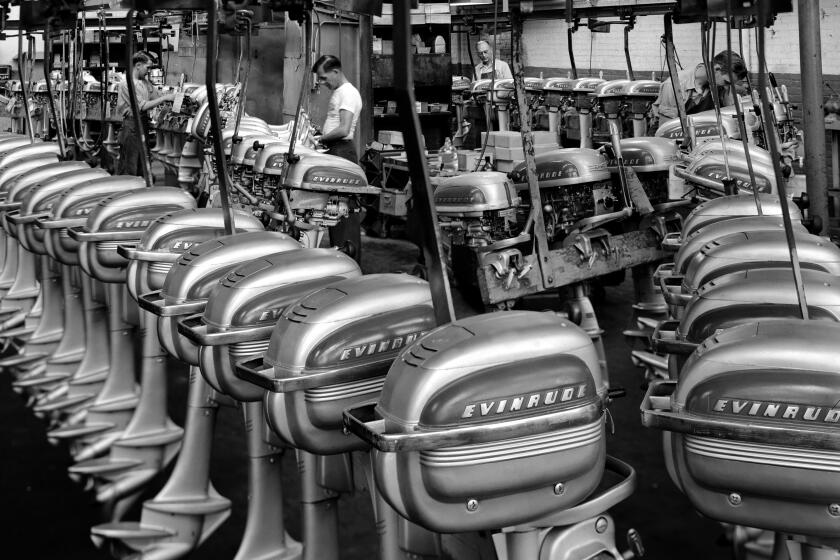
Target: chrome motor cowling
(41,198)
(169,236)
(71,209)
(716,230)
(574,185)
(19,170)
(478,209)
(743,297)
(728,207)
(558,92)
(242,309)
(639,95)
(193,277)
(331,351)
(758,249)
(122,218)
(481,419)
(705,127)
(19,185)
(707,174)
(754,426)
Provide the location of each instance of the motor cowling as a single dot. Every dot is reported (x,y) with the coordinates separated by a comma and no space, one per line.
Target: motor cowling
(21,169)
(42,196)
(122,218)
(478,209)
(574,184)
(639,95)
(707,174)
(243,308)
(502,377)
(558,92)
(697,240)
(728,207)
(758,249)
(170,236)
(197,271)
(771,387)
(71,209)
(705,126)
(349,332)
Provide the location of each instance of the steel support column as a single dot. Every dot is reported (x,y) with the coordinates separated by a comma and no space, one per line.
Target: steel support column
(810,60)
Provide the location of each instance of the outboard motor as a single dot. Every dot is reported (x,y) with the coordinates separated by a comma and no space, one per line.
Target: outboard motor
(501,97)
(320,191)
(459,95)
(576,190)
(584,102)
(702,126)
(537,112)
(451,412)
(639,96)
(651,158)
(743,251)
(752,431)
(51,338)
(150,440)
(559,98)
(608,105)
(98,416)
(188,509)
(708,175)
(168,238)
(330,351)
(744,297)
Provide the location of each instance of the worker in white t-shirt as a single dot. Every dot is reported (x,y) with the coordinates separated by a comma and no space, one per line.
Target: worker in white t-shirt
(343,113)
(338,129)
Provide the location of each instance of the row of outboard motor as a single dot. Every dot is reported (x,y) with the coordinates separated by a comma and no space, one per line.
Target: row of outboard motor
(745,388)
(348,370)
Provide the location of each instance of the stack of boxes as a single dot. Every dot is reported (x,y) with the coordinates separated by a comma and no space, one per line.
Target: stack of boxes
(506,146)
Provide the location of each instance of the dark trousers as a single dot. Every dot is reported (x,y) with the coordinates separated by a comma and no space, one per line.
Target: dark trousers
(348,232)
(131,155)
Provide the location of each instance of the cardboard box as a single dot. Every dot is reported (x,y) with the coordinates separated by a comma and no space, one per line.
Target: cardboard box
(489,141)
(507,166)
(507,139)
(545,148)
(509,153)
(390,137)
(542,137)
(392,202)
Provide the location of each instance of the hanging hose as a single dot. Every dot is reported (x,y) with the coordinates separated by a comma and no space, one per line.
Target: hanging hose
(243,92)
(627,28)
(756,105)
(307,63)
(670,57)
(132,97)
(24,88)
(103,86)
(489,106)
(210,81)
(713,90)
(741,124)
(47,73)
(777,168)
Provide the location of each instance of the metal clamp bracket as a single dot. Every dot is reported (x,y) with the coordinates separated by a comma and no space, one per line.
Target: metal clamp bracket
(587,241)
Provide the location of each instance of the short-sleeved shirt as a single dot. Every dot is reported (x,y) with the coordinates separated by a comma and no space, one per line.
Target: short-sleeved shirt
(344,97)
(145,91)
(485,71)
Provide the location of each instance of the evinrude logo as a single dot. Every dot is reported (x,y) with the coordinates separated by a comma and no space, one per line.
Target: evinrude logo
(272,314)
(82,211)
(131,224)
(378,347)
(182,245)
(335,180)
(525,401)
(741,183)
(777,410)
(698,131)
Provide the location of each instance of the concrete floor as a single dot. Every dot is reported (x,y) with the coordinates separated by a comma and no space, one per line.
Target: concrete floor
(47,517)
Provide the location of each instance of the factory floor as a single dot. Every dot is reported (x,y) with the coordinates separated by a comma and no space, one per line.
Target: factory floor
(47,517)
